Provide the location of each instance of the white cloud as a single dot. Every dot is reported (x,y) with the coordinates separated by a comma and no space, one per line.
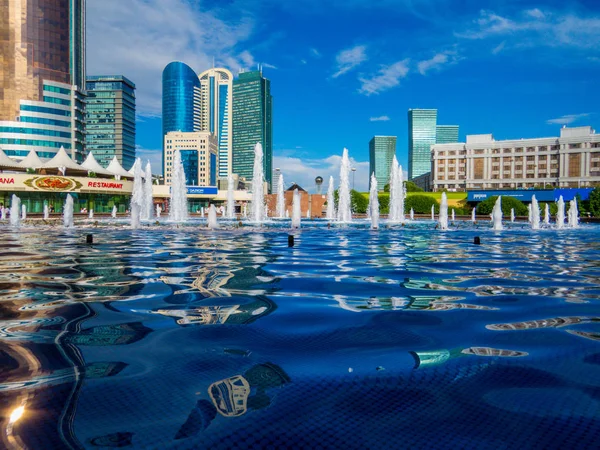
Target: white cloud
(348,59)
(314,52)
(268,66)
(538,28)
(154,156)
(302,61)
(379,119)
(499,48)
(387,77)
(567,119)
(138,38)
(304,172)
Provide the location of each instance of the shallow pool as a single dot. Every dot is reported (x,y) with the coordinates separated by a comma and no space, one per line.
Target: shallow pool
(398,338)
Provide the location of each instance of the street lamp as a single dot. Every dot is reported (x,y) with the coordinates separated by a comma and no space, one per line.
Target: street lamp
(353,172)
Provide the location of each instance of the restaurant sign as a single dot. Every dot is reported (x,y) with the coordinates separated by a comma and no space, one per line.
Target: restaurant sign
(53,183)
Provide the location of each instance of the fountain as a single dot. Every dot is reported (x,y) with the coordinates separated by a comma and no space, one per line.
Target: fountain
(547,214)
(573,214)
(3,213)
(230,200)
(473,212)
(443,217)
(137,195)
(373,209)
(178,207)
(287,214)
(46,211)
(158,210)
(202,212)
(397,193)
(212,218)
(512,215)
(91,214)
(280,198)
(412,214)
(560,214)
(296,213)
(433,212)
(535,213)
(308,214)
(15,211)
(114,212)
(529,213)
(330,215)
(257,212)
(147,205)
(23,212)
(68,212)
(453,215)
(344,213)
(497,214)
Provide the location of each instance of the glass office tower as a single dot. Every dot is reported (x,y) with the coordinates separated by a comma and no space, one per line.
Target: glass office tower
(252,123)
(446,134)
(42,77)
(180,100)
(381,154)
(216,106)
(110,119)
(422,133)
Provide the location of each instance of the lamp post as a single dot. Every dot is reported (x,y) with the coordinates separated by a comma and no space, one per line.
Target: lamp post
(353,172)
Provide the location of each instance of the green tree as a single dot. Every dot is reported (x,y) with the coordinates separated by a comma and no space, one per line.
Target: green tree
(384,203)
(508,203)
(412,187)
(594,202)
(360,202)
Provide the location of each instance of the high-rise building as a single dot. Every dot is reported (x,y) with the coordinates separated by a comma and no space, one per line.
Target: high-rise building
(198,151)
(180,100)
(252,123)
(42,77)
(422,133)
(110,119)
(381,154)
(446,134)
(216,105)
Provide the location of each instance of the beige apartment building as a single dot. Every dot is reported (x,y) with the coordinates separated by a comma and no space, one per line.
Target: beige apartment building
(571,160)
(198,150)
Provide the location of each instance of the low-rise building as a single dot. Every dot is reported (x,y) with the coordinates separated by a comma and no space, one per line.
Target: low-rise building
(571,160)
(198,150)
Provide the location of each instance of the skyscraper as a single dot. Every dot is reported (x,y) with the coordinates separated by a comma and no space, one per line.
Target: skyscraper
(381,153)
(216,105)
(252,123)
(421,136)
(180,100)
(42,77)
(110,119)
(446,134)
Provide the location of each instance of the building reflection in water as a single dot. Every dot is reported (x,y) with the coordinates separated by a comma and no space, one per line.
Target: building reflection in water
(556,322)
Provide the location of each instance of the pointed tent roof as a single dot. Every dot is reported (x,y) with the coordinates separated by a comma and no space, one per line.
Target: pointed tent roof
(61,159)
(295,186)
(8,163)
(31,161)
(117,169)
(92,165)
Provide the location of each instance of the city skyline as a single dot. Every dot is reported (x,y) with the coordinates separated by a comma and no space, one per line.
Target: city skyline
(475,62)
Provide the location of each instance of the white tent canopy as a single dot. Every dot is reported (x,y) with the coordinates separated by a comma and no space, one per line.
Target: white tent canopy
(7,163)
(117,169)
(62,161)
(32,161)
(92,165)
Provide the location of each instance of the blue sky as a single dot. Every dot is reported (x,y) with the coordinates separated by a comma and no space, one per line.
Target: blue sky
(343,71)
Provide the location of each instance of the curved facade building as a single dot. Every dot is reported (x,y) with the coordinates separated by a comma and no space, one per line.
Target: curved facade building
(180,99)
(42,76)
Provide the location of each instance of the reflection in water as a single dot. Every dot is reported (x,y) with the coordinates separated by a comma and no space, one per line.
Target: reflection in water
(112,339)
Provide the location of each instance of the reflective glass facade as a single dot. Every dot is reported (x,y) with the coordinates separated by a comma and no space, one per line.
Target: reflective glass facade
(189,159)
(252,119)
(110,117)
(42,50)
(381,154)
(446,134)
(181,88)
(422,133)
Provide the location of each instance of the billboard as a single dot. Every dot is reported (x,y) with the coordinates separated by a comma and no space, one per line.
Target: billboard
(202,190)
(549,195)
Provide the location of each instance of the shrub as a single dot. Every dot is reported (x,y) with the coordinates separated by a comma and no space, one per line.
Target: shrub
(412,187)
(421,204)
(359,202)
(508,203)
(384,203)
(386,188)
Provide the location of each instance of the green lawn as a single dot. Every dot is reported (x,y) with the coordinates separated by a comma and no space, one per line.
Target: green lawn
(437,195)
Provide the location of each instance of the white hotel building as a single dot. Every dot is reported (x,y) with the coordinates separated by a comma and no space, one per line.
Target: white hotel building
(571,160)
